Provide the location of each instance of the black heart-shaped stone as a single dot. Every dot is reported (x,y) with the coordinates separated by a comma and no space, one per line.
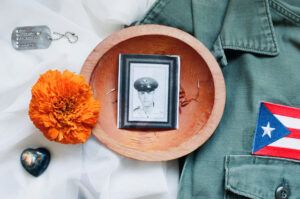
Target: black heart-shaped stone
(35,161)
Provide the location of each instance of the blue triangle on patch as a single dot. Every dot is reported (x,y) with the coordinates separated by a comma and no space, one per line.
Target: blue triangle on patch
(268,129)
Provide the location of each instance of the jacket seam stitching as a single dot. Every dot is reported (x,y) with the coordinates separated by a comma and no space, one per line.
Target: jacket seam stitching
(288,13)
(269,52)
(270,24)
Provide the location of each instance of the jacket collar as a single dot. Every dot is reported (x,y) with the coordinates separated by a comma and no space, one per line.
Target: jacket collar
(247,27)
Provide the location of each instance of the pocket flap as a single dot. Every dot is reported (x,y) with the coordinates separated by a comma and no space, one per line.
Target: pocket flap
(260,177)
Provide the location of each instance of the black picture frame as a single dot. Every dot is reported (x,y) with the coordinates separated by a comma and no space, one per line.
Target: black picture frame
(134,81)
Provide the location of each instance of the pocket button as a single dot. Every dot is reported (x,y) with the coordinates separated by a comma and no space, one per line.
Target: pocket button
(282,192)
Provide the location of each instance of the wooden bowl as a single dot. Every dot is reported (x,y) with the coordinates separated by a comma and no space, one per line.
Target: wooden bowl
(200,76)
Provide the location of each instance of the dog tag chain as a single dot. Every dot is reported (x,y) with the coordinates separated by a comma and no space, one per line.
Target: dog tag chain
(37,37)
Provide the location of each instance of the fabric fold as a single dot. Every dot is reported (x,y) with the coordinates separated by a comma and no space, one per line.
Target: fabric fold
(75,171)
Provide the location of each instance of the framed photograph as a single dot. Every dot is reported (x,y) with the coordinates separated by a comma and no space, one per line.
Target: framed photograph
(148,91)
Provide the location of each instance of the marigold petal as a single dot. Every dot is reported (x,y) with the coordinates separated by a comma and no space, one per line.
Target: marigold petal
(52,133)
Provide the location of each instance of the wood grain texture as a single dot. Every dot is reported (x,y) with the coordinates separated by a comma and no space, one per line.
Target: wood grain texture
(197,120)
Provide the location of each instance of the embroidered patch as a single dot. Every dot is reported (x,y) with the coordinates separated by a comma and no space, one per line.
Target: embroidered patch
(277,131)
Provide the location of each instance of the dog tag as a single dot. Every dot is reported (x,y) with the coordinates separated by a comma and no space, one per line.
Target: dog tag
(31,37)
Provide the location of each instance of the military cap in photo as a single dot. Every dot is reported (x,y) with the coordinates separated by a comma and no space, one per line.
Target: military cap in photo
(147,84)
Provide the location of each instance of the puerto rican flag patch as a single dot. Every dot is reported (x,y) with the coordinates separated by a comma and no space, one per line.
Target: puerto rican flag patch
(277,132)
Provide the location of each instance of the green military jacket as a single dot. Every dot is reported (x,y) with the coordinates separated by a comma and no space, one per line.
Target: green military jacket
(257,44)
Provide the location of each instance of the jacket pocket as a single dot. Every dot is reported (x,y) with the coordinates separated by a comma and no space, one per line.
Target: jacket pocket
(257,177)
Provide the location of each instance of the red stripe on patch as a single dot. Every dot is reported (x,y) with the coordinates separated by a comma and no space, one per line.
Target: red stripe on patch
(279,152)
(283,110)
(295,133)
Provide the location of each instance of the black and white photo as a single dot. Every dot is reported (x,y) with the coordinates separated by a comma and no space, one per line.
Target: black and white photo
(148,91)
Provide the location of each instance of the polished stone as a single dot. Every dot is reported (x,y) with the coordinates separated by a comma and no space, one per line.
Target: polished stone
(35,161)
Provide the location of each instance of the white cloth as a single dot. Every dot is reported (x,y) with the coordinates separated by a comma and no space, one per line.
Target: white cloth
(89,171)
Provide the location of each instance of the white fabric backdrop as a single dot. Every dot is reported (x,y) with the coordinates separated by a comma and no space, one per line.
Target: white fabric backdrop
(88,171)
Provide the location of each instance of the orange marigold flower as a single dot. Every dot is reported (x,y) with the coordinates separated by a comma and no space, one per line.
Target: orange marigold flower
(63,107)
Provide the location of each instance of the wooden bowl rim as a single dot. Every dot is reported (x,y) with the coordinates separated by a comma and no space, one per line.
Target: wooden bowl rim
(208,128)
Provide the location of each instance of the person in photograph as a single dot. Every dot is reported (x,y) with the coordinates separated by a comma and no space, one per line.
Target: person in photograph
(145,87)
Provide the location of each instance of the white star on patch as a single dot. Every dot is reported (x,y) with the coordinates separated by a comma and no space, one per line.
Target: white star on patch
(267,130)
